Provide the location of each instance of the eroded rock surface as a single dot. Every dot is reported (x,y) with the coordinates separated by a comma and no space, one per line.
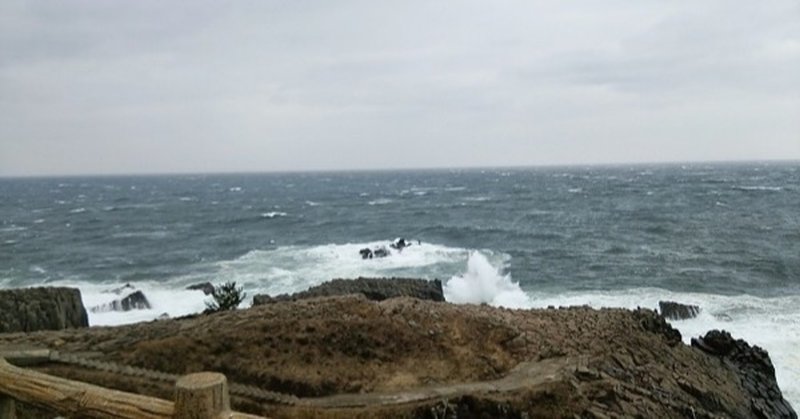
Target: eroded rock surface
(677,311)
(348,356)
(756,372)
(133,301)
(32,309)
(376,289)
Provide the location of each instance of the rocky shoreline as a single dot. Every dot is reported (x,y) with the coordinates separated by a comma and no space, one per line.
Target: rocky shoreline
(353,356)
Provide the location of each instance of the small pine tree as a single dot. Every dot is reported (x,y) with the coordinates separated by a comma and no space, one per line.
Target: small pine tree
(226,297)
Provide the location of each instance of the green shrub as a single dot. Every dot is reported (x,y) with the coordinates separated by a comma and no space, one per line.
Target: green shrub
(226,297)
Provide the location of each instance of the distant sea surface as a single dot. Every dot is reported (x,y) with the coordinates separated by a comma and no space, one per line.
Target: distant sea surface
(723,236)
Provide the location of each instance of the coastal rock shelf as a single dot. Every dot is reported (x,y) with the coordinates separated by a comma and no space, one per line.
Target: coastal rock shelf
(350,356)
(377,289)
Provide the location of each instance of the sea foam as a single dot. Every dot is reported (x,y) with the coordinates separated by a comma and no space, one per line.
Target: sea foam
(483,283)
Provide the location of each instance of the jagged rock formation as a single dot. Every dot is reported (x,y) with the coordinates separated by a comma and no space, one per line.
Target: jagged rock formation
(348,356)
(32,309)
(376,289)
(677,311)
(206,287)
(134,301)
(756,372)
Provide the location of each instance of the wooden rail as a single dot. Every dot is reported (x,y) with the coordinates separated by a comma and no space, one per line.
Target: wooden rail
(197,396)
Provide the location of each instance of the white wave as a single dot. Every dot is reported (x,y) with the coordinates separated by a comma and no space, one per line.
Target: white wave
(273,214)
(312,204)
(77,210)
(235,189)
(575,190)
(158,234)
(163,299)
(37,269)
(759,188)
(12,228)
(477,199)
(38,221)
(380,201)
(771,323)
(296,268)
(483,283)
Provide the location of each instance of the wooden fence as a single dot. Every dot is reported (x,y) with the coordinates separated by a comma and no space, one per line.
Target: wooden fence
(197,396)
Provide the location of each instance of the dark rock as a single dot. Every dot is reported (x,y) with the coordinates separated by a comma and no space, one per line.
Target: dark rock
(134,301)
(32,309)
(400,244)
(366,253)
(125,288)
(381,252)
(206,287)
(677,311)
(655,323)
(376,289)
(755,370)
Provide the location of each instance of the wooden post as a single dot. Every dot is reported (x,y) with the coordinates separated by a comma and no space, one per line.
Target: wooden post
(7,408)
(203,395)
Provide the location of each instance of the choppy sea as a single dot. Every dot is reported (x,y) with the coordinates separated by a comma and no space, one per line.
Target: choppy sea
(723,236)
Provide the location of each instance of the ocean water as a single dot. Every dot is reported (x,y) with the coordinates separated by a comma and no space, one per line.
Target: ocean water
(723,236)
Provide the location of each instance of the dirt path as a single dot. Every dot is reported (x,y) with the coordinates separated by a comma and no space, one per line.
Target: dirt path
(525,375)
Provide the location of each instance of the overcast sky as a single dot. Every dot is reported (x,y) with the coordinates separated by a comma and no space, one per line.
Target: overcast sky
(208,86)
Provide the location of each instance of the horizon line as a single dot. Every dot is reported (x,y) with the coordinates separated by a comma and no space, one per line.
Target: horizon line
(397,169)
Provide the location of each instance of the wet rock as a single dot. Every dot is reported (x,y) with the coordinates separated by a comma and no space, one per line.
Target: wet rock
(376,289)
(134,301)
(50,308)
(206,287)
(123,289)
(755,370)
(366,253)
(677,311)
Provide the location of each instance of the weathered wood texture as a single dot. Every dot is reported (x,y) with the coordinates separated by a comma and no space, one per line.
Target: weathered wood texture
(7,408)
(72,397)
(201,396)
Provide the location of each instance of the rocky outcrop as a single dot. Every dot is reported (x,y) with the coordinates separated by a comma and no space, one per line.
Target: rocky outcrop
(32,309)
(133,301)
(206,287)
(376,289)
(755,371)
(348,357)
(677,311)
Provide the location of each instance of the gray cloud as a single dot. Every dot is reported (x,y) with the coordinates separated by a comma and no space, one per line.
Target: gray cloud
(120,87)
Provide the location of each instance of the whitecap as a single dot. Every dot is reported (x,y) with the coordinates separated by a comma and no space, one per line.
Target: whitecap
(760,188)
(477,199)
(273,214)
(312,203)
(77,210)
(37,269)
(12,228)
(235,189)
(380,201)
(575,190)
